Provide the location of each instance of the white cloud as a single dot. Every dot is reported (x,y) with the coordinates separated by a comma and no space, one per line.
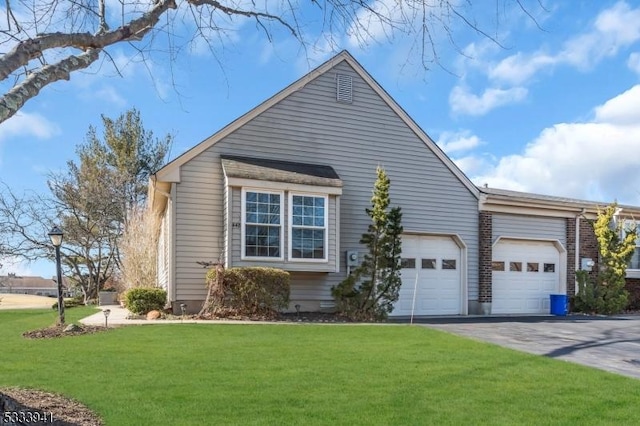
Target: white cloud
(26,124)
(519,68)
(613,29)
(464,102)
(634,62)
(594,160)
(451,142)
(474,165)
(624,109)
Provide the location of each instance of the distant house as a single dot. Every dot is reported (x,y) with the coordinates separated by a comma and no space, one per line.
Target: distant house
(39,286)
(287,184)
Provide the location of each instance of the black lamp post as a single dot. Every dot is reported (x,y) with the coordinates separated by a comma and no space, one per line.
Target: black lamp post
(106,313)
(56,239)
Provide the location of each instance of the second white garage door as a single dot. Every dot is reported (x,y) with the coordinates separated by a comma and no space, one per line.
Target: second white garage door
(525,273)
(436,262)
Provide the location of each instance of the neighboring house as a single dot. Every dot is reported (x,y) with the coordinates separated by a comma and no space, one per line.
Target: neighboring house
(28,285)
(287,184)
(531,245)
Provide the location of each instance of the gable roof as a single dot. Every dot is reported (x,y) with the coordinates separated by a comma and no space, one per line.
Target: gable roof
(170,172)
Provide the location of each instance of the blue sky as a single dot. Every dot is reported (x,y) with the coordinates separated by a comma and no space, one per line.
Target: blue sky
(553,110)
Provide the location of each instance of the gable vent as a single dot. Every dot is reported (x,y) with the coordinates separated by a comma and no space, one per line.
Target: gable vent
(344,88)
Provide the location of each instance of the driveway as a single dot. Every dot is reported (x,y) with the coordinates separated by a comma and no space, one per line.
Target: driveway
(608,343)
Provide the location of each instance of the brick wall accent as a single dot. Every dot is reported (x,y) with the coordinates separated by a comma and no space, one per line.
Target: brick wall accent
(571,256)
(589,245)
(633,287)
(486,254)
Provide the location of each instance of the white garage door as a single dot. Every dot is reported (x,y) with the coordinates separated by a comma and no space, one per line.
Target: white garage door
(525,273)
(435,261)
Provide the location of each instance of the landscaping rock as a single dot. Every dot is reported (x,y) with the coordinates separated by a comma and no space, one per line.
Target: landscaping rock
(153,315)
(72,328)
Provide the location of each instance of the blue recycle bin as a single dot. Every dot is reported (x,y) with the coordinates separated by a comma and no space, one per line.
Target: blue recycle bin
(558,304)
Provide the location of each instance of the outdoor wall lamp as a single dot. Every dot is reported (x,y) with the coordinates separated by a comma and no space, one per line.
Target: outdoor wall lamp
(56,235)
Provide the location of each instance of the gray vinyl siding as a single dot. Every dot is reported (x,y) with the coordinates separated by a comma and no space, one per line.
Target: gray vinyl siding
(534,227)
(309,126)
(199,223)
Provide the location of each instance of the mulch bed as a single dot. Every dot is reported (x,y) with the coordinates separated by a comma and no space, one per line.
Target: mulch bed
(65,411)
(57,331)
(306,317)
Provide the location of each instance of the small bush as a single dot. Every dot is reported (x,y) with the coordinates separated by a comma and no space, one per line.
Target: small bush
(141,300)
(252,291)
(69,302)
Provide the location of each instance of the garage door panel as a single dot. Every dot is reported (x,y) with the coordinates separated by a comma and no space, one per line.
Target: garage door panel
(437,290)
(525,273)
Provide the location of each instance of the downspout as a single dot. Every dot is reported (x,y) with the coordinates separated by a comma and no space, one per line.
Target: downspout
(576,265)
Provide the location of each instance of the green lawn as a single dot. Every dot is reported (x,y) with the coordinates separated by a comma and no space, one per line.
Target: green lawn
(196,374)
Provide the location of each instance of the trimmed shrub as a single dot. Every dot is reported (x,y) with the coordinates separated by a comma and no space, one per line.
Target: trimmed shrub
(141,300)
(252,291)
(69,302)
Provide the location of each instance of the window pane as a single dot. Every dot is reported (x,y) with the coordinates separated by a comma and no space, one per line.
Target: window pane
(549,267)
(497,266)
(428,264)
(407,263)
(262,208)
(307,243)
(262,224)
(533,266)
(448,264)
(635,259)
(515,266)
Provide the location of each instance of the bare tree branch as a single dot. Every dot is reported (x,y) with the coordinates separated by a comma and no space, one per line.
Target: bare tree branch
(42,34)
(30,87)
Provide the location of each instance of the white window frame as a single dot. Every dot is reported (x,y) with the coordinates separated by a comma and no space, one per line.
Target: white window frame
(290,227)
(632,272)
(243,225)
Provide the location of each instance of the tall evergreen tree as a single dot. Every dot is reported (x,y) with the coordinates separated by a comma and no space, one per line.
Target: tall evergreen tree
(372,288)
